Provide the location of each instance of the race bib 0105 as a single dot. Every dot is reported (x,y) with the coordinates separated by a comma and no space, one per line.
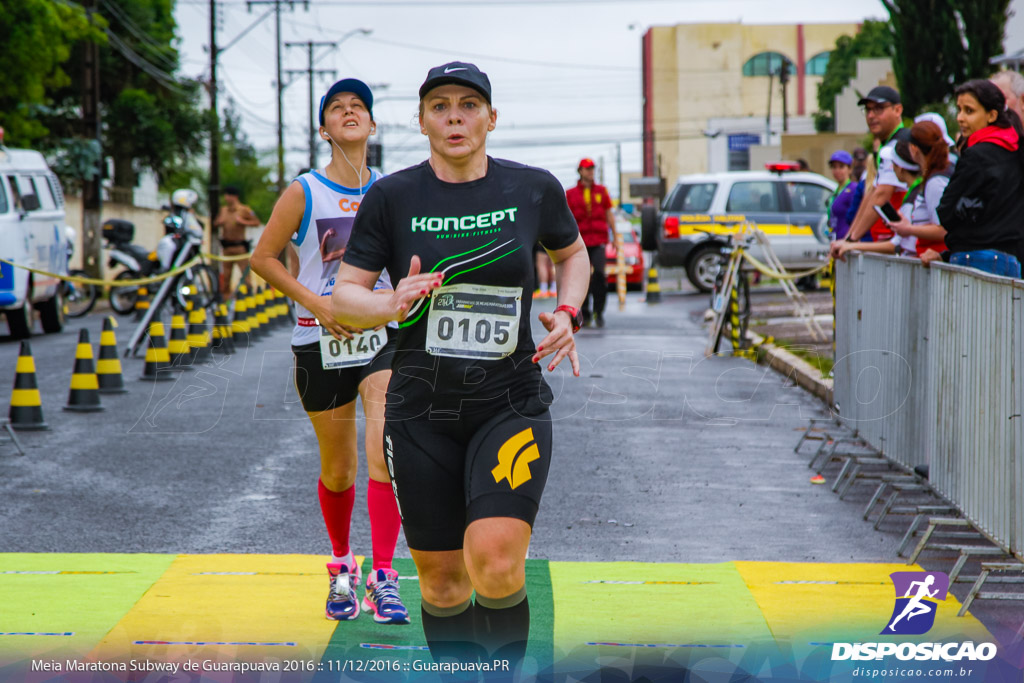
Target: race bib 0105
(347,353)
(474,321)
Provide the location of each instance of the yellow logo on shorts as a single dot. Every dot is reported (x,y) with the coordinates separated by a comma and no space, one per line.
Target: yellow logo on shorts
(514,458)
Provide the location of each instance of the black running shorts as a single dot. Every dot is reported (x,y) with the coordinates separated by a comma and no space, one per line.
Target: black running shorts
(450,472)
(321,390)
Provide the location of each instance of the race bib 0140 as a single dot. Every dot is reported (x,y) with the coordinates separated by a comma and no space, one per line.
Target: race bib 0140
(347,353)
(474,321)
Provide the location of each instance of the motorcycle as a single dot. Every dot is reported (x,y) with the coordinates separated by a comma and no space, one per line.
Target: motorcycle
(182,242)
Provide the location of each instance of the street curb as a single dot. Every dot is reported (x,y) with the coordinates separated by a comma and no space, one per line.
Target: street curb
(793,367)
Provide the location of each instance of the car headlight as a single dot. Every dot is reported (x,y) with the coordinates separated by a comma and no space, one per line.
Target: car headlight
(631,260)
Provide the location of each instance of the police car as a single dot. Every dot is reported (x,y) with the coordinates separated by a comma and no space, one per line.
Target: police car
(702,210)
(32,225)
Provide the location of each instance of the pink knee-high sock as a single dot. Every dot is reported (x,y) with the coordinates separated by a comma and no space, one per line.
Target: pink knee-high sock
(385,522)
(336,507)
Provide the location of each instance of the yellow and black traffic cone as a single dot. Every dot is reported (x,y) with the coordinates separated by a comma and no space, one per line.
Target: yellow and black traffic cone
(261,309)
(216,334)
(158,360)
(653,288)
(252,316)
(281,306)
(141,302)
(108,365)
(270,306)
(26,413)
(221,331)
(240,323)
(198,335)
(227,334)
(84,396)
(177,346)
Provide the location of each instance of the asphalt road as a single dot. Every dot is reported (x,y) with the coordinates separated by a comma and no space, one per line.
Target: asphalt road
(661,455)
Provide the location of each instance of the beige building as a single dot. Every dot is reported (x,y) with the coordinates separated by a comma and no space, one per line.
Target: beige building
(706,91)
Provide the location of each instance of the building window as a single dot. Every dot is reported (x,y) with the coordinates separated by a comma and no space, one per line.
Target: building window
(817,64)
(766,63)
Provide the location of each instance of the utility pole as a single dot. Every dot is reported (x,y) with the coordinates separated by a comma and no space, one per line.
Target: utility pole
(768,117)
(310,73)
(213,189)
(783,80)
(280,85)
(618,169)
(92,189)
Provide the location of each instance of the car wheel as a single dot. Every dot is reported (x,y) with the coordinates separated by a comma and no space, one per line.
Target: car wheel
(20,322)
(702,267)
(51,312)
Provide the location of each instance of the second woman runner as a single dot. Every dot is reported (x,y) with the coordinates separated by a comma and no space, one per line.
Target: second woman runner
(333,363)
(468,435)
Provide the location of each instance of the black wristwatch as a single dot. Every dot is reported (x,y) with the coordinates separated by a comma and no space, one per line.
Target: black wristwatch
(575,314)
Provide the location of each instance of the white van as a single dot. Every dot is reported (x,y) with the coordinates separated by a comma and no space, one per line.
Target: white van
(32,226)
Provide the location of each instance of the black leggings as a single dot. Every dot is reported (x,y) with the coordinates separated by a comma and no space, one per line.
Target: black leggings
(598,282)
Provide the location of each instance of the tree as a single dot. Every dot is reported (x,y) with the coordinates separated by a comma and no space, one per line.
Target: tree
(940,43)
(151,118)
(37,38)
(984,27)
(874,39)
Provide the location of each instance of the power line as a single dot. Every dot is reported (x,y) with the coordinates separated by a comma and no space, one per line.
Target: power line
(153,44)
(161,76)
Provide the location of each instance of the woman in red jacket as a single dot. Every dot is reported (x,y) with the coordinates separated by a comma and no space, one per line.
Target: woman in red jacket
(982,206)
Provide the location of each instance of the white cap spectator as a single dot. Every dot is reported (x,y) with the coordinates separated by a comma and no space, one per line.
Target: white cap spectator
(938,121)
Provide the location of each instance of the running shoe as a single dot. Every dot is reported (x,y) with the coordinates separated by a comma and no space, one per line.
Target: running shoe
(342,603)
(382,598)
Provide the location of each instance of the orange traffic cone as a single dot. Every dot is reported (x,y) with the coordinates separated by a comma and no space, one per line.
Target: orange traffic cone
(26,413)
(108,366)
(158,360)
(84,396)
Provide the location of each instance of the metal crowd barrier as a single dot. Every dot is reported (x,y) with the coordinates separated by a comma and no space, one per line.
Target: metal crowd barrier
(930,371)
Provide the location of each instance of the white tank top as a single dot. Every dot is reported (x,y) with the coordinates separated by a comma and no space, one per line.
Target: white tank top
(321,240)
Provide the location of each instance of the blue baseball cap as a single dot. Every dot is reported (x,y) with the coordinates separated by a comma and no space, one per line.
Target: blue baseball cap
(352,85)
(842,157)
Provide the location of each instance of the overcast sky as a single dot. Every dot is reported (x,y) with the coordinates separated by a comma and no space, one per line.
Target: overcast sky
(565,74)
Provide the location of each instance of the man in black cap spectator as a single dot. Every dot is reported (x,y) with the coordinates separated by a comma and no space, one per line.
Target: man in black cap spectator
(883,112)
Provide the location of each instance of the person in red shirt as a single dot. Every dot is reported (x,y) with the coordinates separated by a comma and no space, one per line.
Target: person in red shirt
(592,208)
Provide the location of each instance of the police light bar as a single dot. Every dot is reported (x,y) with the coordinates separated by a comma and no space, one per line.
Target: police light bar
(782,166)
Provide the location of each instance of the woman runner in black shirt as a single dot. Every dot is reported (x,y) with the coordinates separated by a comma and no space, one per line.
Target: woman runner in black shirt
(467,434)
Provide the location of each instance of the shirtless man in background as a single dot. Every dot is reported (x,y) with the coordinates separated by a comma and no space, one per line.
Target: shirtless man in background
(233,219)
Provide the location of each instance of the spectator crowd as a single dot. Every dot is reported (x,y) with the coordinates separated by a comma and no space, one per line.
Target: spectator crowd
(921,194)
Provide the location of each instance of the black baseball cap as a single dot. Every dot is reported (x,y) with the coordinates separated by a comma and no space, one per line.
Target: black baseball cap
(881,94)
(352,85)
(461,73)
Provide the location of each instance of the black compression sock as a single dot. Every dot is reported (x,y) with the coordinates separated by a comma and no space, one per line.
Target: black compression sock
(449,632)
(502,629)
